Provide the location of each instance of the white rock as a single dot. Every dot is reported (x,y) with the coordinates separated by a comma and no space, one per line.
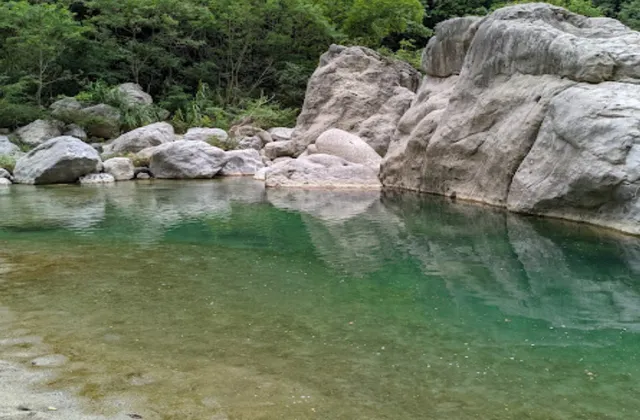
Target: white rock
(187,160)
(205,134)
(120,168)
(321,171)
(101,178)
(347,146)
(242,162)
(141,138)
(280,133)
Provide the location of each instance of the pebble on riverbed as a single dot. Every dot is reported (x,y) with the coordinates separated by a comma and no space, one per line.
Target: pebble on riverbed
(52,360)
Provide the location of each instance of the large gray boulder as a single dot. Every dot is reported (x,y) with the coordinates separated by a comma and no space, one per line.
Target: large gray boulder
(355,89)
(7,147)
(347,146)
(141,138)
(242,162)
(4,182)
(532,108)
(121,168)
(101,121)
(187,160)
(39,131)
(321,171)
(134,94)
(59,160)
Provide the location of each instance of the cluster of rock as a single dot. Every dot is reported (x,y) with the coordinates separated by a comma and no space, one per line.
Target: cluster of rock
(63,154)
(352,106)
(66,159)
(532,108)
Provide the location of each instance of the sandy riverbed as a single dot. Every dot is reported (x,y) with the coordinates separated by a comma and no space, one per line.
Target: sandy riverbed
(26,366)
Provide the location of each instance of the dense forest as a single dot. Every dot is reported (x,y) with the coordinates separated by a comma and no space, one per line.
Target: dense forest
(208,62)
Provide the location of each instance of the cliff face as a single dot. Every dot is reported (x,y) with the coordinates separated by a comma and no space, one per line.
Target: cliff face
(532,108)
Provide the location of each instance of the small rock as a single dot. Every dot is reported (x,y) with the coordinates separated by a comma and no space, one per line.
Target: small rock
(278,149)
(120,168)
(281,133)
(7,147)
(76,131)
(53,360)
(143,175)
(97,179)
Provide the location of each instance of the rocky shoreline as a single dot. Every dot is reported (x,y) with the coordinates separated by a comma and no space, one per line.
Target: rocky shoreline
(532,108)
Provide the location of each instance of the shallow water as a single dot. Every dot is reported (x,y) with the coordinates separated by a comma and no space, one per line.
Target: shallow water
(220,300)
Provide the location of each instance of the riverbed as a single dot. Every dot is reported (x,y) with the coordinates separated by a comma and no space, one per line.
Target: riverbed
(223,300)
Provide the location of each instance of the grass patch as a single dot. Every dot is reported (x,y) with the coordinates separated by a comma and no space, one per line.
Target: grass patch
(8,162)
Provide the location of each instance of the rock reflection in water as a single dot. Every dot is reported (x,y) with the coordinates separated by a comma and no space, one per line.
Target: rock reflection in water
(379,306)
(529,273)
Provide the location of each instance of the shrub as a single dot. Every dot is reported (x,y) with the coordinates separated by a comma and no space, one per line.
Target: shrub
(138,161)
(14,115)
(131,115)
(266,114)
(407,53)
(228,144)
(7,162)
(200,111)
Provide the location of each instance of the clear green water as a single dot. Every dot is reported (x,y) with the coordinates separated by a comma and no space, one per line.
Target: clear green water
(219,300)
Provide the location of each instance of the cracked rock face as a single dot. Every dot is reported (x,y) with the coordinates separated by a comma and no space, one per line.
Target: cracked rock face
(532,108)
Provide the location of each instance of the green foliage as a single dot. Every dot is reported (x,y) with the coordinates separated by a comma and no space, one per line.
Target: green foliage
(199,111)
(209,62)
(138,161)
(131,115)
(407,52)
(583,7)
(369,21)
(7,162)
(35,38)
(630,14)
(264,113)
(228,144)
(14,114)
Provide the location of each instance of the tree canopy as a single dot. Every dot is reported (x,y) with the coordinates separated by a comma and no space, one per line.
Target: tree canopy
(234,52)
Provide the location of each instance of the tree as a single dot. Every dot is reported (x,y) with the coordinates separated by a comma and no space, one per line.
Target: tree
(630,14)
(369,21)
(35,39)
